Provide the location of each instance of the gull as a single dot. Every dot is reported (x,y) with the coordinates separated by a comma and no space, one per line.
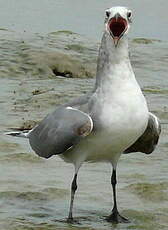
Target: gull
(110,120)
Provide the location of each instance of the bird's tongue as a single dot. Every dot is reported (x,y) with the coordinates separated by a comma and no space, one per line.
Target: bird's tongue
(117,26)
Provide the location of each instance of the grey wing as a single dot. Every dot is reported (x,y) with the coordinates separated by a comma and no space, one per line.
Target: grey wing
(149,139)
(59,131)
(77,102)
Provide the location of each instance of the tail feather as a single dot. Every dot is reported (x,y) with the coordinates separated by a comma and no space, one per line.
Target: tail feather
(23,134)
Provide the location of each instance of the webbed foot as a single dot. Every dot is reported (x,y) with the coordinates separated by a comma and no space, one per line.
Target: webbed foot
(72,221)
(116,218)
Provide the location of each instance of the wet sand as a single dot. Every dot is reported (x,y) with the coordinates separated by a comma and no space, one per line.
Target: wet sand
(34,192)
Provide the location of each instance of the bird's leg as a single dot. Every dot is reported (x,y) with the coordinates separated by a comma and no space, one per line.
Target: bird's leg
(73,190)
(115,217)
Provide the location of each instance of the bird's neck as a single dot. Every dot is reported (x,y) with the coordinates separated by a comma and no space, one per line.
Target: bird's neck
(111,59)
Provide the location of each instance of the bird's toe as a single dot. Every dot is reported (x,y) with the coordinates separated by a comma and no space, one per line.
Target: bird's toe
(72,221)
(116,218)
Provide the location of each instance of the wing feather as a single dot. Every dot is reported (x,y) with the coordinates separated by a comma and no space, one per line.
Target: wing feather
(59,131)
(149,139)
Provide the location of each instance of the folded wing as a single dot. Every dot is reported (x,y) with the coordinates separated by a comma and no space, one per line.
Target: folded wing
(59,131)
(149,139)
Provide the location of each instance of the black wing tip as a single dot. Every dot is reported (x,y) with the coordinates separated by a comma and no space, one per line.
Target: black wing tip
(14,134)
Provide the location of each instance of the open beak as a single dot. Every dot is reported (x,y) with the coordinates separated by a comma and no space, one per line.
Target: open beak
(117,26)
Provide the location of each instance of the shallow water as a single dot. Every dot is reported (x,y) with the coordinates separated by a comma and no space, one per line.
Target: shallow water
(34,192)
(44,16)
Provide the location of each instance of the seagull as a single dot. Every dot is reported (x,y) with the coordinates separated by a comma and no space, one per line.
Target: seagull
(110,120)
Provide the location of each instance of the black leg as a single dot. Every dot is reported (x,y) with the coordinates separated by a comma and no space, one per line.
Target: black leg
(73,190)
(115,217)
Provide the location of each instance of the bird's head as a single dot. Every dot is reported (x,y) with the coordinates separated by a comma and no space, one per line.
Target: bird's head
(117,22)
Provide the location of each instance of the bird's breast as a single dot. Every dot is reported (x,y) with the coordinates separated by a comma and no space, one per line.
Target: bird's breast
(122,119)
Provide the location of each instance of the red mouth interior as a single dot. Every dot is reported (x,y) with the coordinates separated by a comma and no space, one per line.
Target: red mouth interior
(117,26)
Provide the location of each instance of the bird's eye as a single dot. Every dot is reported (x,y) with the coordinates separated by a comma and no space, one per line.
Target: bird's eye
(107,13)
(129,14)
